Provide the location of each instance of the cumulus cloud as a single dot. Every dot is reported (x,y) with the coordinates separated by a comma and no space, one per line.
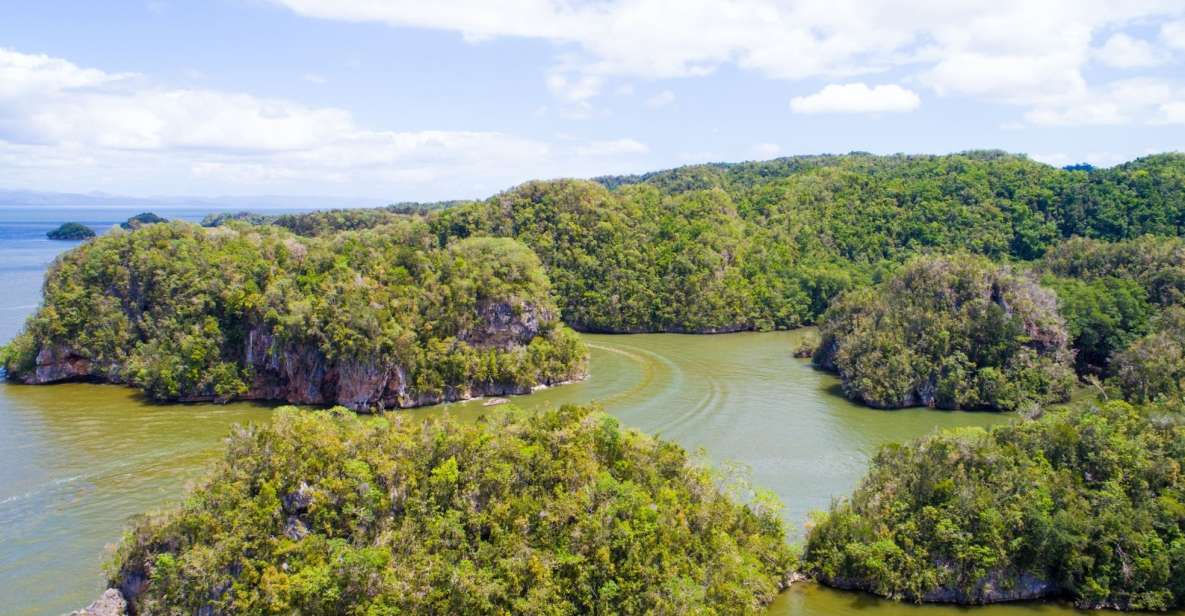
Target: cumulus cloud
(107,128)
(1123,51)
(37,74)
(1128,101)
(857,98)
(1016,52)
(1173,34)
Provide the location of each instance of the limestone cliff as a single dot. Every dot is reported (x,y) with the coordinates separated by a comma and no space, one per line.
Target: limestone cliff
(370,320)
(304,374)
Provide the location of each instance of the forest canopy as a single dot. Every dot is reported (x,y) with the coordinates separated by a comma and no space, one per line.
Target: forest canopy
(562,512)
(1086,504)
(952,332)
(768,245)
(374,318)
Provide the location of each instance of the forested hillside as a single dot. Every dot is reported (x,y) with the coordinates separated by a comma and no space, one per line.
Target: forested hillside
(953,332)
(563,512)
(768,245)
(1084,504)
(368,319)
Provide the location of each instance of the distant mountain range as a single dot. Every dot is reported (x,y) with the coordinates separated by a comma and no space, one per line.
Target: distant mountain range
(98,199)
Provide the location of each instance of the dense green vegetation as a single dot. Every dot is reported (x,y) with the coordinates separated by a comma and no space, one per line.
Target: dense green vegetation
(1152,368)
(954,332)
(140,220)
(191,313)
(322,222)
(71,231)
(223,218)
(1102,316)
(769,244)
(1122,302)
(1088,504)
(562,512)
(1156,263)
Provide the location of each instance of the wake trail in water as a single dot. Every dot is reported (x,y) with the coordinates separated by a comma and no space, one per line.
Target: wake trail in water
(647,365)
(713,400)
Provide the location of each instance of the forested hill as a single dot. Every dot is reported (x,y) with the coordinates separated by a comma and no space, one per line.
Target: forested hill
(763,245)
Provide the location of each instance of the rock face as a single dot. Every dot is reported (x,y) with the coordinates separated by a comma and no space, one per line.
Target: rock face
(996,587)
(305,375)
(111,603)
(59,363)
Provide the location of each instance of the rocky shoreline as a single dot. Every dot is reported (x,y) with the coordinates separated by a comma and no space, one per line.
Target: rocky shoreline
(110,603)
(301,374)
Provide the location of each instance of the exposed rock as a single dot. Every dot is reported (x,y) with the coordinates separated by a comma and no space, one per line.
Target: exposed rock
(302,374)
(495,402)
(299,501)
(996,587)
(295,529)
(794,577)
(504,325)
(111,603)
(58,363)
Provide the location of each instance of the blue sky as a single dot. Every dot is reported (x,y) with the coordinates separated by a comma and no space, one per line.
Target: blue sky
(432,100)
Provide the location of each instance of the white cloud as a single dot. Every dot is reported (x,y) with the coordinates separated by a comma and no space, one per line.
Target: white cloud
(574,89)
(615,147)
(1172,112)
(38,74)
(315,78)
(1009,51)
(115,130)
(660,100)
(1128,101)
(1173,34)
(857,98)
(766,150)
(1123,51)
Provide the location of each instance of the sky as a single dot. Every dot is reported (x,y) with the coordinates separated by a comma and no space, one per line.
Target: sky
(438,99)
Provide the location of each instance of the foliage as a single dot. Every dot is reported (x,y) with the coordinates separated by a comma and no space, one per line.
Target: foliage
(949,332)
(251,218)
(561,512)
(770,244)
(1102,316)
(71,231)
(1083,503)
(1155,263)
(171,307)
(1153,367)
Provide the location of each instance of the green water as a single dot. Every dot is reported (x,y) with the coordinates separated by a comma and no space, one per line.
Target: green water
(78,461)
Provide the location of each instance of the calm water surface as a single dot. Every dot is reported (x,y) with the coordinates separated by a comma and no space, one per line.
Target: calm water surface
(78,461)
